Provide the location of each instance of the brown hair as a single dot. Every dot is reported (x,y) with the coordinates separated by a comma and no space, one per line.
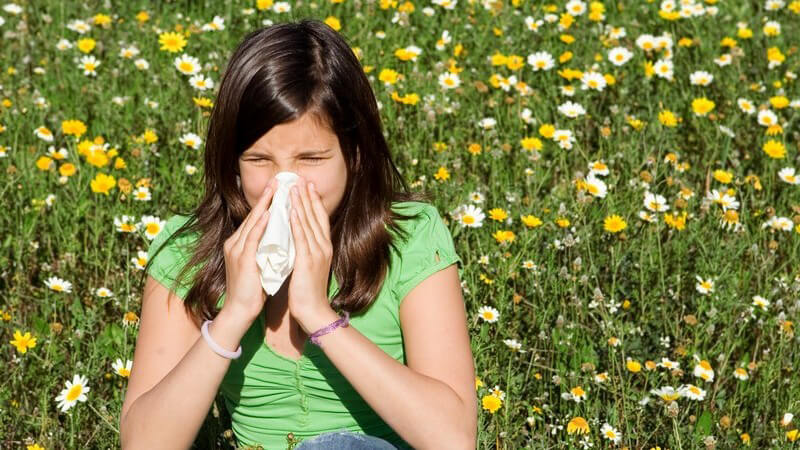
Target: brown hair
(276,75)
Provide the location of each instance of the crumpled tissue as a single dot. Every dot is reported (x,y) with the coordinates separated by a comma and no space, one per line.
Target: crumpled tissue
(276,252)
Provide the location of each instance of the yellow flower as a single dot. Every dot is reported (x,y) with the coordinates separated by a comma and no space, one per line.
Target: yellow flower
(142,16)
(263,4)
(578,425)
(86,45)
(34,447)
(531,221)
(531,143)
(73,127)
(23,342)
(498,214)
(614,223)
(478,383)
(67,169)
(667,118)
(723,176)
(103,183)
(150,137)
(333,22)
(172,42)
(745,438)
(792,435)
(389,76)
(633,366)
(547,130)
(562,222)
(774,149)
(491,403)
(442,174)
(44,162)
(702,106)
(203,102)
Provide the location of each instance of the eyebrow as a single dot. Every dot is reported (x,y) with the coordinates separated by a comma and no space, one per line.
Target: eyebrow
(303,153)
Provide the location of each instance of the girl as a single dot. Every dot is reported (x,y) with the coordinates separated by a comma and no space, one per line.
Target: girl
(365,345)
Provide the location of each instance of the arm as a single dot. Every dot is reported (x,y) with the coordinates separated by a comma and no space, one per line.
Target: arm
(431,402)
(175,374)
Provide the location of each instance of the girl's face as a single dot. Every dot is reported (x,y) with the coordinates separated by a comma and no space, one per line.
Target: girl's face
(302,147)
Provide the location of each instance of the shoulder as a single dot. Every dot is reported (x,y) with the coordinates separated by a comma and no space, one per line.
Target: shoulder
(169,228)
(422,214)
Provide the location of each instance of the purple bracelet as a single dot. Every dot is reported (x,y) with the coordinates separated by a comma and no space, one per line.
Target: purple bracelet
(342,322)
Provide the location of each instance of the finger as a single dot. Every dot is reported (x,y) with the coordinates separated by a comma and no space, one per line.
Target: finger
(256,212)
(300,245)
(252,239)
(310,219)
(319,210)
(311,241)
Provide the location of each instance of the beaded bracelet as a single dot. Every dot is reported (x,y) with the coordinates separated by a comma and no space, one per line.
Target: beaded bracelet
(214,346)
(342,322)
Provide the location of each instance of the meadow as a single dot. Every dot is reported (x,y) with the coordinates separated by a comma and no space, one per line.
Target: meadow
(621,180)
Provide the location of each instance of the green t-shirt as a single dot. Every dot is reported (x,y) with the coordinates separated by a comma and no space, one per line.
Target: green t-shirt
(269,395)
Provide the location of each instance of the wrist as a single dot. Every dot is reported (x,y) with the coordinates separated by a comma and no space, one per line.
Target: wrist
(228,328)
(319,318)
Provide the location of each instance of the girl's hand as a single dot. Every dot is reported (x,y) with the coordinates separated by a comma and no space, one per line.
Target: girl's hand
(308,285)
(244,293)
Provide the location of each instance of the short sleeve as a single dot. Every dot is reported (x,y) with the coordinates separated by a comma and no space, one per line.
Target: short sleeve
(167,264)
(429,248)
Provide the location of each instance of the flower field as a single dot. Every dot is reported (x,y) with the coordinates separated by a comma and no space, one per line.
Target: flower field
(621,180)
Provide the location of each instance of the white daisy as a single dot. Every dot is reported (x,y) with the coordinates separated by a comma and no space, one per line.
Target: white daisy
(122,370)
(619,55)
(488,314)
(575,7)
(487,123)
(788,175)
(217,24)
(201,82)
(89,64)
(741,374)
(610,433)
(593,80)
(448,80)
(44,134)
(655,202)
(701,78)
(746,106)
(564,138)
(476,197)
(767,118)
(190,169)
(142,194)
(12,8)
(103,292)
(595,186)
(646,42)
(141,64)
(79,26)
(541,61)
(598,167)
(703,370)
(63,44)
(74,392)
(533,24)
(666,393)
(571,109)
(191,140)
(469,216)
(128,52)
(140,260)
(152,226)
(126,224)
(704,286)
(723,60)
(692,392)
(513,345)
(58,285)
(187,65)
(281,7)
(778,223)
(663,68)
(760,302)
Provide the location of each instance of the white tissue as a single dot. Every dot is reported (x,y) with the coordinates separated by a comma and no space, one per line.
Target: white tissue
(275,253)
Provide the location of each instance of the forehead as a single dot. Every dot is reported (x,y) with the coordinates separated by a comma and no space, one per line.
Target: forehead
(304,134)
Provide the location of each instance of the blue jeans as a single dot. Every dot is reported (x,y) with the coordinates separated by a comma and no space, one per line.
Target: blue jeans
(345,440)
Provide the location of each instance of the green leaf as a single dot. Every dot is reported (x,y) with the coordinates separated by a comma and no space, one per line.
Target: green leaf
(703,427)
